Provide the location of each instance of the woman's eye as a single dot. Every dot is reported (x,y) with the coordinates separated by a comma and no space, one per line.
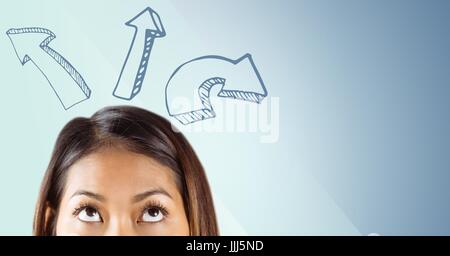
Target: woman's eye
(89,214)
(152,214)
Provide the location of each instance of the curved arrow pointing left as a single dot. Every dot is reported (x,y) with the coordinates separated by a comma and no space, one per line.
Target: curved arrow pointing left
(68,85)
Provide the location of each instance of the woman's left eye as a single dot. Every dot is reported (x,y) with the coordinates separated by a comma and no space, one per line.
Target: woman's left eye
(152,214)
(89,214)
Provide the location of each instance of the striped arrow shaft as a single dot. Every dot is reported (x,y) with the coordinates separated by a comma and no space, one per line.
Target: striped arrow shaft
(130,81)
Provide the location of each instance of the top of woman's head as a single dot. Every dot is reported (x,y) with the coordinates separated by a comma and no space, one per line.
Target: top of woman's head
(135,130)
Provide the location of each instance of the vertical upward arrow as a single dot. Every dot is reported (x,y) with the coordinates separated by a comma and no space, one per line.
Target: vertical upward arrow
(148,26)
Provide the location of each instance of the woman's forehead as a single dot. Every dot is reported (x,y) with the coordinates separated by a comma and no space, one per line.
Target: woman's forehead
(112,169)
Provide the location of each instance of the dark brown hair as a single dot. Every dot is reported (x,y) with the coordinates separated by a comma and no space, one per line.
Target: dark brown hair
(139,131)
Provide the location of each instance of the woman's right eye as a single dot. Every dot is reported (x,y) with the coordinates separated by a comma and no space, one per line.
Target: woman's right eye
(89,214)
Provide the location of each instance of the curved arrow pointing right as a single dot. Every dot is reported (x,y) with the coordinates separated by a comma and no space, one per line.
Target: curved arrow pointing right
(239,78)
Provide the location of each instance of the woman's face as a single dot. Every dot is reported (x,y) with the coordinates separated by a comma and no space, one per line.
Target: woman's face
(117,192)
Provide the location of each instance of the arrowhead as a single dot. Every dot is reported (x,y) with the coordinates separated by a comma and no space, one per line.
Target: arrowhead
(148,20)
(25,40)
(245,82)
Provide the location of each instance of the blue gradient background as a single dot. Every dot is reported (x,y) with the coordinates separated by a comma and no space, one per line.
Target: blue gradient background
(363,86)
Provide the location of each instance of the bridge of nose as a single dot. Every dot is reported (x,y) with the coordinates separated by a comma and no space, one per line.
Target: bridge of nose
(121,224)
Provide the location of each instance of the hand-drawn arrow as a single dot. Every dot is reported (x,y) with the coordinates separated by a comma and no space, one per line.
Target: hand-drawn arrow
(239,79)
(147,26)
(66,82)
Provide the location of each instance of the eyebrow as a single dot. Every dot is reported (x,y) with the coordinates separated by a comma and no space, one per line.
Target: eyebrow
(137,198)
(158,191)
(89,194)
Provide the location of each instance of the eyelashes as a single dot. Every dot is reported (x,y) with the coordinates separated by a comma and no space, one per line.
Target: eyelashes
(152,212)
(87,213)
